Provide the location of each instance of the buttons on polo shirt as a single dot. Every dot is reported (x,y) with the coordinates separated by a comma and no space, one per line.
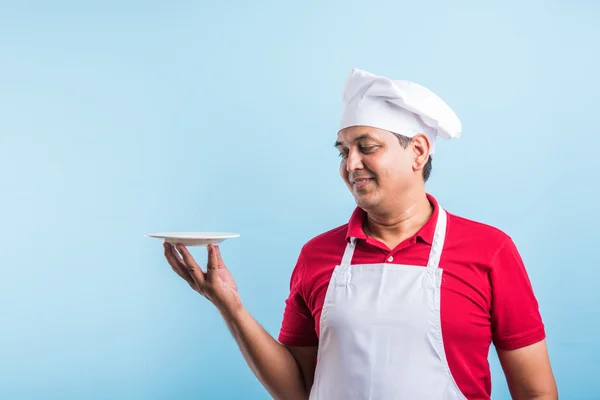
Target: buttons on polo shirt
(390,259)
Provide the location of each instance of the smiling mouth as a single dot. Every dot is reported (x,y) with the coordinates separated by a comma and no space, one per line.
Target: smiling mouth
(361,183)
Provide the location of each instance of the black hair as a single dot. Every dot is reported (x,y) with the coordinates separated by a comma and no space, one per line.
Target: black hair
(404,142)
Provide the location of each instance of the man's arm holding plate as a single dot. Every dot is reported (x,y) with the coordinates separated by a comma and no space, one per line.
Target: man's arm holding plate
(306,357)
(274,364)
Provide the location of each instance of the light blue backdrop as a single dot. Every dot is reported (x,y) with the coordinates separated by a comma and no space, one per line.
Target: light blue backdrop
(123,118)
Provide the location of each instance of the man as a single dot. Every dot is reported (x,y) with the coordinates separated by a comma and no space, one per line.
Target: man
(404,300)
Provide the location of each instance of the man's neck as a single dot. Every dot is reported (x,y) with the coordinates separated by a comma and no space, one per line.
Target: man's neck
(400,222)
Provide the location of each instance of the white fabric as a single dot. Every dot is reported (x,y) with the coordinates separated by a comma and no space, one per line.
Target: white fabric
(381,333)
(398,106)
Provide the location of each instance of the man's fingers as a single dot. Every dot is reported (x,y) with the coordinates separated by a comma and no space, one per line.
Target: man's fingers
(176,263)
(214,257)
(214,263)
(192,267)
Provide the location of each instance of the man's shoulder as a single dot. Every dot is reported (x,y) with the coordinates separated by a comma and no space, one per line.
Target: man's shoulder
(327,238)
(476,231)
(333,237)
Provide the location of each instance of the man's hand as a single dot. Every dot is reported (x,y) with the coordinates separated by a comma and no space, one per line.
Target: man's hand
(216,284)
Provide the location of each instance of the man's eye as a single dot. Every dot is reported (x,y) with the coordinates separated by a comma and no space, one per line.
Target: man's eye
(368,149)
(343,154)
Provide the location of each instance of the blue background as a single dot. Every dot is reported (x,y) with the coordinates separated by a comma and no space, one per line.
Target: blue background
(122,118)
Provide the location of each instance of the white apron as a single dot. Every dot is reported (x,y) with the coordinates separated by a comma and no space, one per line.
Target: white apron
(381,334)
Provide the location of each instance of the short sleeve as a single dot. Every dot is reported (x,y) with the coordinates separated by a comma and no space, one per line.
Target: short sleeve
(516,319)
(298,326)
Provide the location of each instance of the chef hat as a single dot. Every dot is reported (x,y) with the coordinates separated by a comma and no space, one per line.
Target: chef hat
(398,106)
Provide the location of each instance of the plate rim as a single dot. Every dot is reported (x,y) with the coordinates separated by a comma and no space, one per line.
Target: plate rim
(181,235)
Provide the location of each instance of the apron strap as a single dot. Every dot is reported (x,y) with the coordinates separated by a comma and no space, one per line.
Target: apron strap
(349,252)
(438,240)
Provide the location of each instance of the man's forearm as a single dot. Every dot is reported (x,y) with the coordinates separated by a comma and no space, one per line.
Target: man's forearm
(271,362)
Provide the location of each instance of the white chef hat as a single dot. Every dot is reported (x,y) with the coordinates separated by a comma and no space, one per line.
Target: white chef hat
(398,106)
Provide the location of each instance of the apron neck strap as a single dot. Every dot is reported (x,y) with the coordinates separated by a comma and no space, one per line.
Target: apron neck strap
(439,237)
(349,252)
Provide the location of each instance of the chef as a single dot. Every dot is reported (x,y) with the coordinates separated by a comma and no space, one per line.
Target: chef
(405,299)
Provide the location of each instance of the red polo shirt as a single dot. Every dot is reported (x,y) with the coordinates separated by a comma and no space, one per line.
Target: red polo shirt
(486,295)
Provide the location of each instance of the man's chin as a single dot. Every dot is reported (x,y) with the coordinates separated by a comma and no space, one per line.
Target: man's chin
(365,202)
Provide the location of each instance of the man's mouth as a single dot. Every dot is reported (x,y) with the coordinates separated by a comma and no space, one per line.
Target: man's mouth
(361,183)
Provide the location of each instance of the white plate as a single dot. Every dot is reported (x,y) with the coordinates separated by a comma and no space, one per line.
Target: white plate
(194,238)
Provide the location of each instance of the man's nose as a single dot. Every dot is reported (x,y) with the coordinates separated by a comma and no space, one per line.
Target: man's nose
(354,161)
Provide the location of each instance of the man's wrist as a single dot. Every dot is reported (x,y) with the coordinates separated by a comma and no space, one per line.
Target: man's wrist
(233,315)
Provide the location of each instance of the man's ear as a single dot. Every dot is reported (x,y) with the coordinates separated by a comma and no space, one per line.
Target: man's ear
(421,146)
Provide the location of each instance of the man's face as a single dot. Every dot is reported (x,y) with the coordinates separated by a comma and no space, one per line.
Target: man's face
(374,165)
